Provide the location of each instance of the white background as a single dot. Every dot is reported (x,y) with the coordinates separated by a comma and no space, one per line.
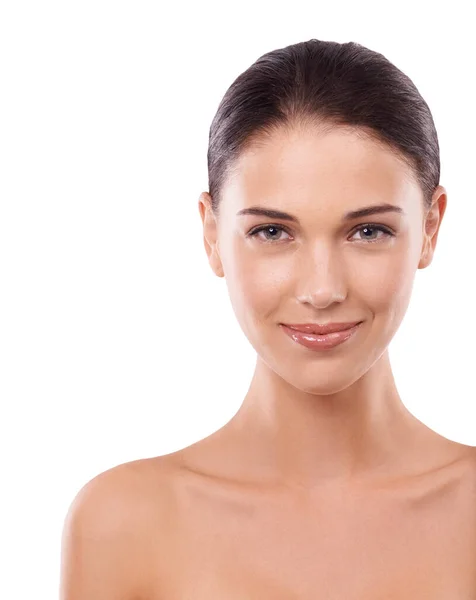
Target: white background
(117,340)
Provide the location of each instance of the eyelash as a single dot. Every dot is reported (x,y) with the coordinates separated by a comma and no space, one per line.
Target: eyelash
(388,232)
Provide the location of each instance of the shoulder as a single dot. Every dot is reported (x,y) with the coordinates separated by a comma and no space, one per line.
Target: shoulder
(113,530)
(117,498)
(472,463)
(466,474)
(469,458)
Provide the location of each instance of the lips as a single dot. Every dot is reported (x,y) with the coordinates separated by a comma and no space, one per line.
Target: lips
(321,329)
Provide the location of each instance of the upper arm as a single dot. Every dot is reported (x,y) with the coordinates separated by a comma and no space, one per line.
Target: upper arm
(101,551)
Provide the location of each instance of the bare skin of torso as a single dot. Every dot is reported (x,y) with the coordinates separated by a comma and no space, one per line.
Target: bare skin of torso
(402,538)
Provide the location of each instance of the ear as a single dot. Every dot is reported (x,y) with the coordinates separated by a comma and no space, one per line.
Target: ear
(210,233)
(431,226)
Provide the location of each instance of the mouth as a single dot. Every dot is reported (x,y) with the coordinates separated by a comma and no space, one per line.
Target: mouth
(324,329)
(315,341)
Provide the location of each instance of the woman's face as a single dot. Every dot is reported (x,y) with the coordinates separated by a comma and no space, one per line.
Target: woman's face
(324,265)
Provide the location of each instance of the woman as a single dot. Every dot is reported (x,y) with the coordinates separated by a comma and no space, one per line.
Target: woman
(324,200)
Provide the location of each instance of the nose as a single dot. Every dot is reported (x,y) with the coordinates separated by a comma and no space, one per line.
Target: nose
(320,278)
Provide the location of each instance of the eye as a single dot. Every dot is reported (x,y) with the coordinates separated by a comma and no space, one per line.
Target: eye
(272,233)
(273,229)
(373,228)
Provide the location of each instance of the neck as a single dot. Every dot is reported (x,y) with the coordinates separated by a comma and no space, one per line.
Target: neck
(302,439)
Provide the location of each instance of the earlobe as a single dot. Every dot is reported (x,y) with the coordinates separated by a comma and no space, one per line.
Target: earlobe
(210,240)
(426,256)
(432,226)
(215,260)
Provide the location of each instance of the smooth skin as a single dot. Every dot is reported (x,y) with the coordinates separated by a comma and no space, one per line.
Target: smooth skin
(323,485)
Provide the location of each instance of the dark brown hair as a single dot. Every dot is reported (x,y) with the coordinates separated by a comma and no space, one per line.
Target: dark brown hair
(325,83)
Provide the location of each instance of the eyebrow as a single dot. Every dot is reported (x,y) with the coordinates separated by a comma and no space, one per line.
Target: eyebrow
(353,214)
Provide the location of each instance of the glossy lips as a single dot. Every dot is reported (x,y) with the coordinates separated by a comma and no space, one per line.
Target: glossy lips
(321,329)
(321,337)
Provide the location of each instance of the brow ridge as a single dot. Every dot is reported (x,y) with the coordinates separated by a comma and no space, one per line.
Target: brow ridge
(353,214)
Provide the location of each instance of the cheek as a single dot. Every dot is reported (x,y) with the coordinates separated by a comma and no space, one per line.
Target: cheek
(381,281)
(257,290)
(261,282)
(385,286)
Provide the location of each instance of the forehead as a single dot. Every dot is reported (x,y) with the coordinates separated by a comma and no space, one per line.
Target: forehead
(340,167)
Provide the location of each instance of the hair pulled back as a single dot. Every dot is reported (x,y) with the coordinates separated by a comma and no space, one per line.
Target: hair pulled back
(329,84)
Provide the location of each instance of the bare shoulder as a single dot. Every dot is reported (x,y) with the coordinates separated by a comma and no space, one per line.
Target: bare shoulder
(463,457)
(472,462)
(468,454)
(465,468)
(120,496)
(113,530)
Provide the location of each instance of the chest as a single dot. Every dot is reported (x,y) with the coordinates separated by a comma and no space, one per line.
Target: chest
(337,545)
